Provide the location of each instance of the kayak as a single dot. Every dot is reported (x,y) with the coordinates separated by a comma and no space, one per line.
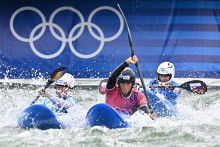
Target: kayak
(105,116)
(38,116)
(161,106)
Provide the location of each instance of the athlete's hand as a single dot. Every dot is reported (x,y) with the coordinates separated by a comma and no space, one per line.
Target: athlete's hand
(169,86)
(153,116)
(132,60)
(43,93)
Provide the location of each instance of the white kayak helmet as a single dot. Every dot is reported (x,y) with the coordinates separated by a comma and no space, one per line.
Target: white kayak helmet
(66,80)
(166,68)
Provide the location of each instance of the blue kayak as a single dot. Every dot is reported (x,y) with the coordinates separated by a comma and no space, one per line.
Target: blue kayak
(104,115)
(161,106)
(38,116)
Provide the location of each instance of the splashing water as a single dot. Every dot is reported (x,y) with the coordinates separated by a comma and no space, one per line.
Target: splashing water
(198,123)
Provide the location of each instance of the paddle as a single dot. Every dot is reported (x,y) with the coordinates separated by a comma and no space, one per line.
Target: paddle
(58,73)
(137,66)
(195,86)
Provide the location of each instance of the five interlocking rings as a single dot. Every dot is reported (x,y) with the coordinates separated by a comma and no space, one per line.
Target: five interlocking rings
(63,38)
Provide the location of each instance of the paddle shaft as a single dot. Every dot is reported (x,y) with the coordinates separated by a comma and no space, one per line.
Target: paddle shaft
(189,86)
(137,66)
(144,87)
(58,73)
(169,87)
(195,86)
(34,101)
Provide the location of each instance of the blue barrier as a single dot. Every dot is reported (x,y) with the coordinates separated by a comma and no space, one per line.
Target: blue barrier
(89,37)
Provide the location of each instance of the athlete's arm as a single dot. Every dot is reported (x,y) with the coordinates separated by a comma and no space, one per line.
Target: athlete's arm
(60,102)
(114,75)
(144,109)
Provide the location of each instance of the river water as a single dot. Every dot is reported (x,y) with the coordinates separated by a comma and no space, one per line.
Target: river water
(198,124)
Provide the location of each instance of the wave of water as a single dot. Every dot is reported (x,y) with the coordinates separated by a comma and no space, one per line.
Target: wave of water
(198,123)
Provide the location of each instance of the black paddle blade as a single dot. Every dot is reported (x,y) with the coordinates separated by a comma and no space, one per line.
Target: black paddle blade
(58,73)
(102,86)
(195,86)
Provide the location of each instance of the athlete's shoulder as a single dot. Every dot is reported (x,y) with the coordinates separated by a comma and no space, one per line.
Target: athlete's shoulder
(114,89)
(139,93)
(174,83)
(153,82)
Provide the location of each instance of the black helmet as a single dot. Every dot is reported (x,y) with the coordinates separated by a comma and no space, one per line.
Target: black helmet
(127,76)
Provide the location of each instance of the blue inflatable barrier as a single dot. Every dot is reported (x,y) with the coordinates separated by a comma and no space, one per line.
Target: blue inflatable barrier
(162,107)
(38,116)
(104,115)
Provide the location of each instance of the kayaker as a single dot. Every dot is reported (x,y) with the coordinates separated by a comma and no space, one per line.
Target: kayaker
(120,93)
(165,77)
(62,100)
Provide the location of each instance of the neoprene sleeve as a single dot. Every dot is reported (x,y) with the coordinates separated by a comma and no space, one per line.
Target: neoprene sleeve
(144,109)
(114,75)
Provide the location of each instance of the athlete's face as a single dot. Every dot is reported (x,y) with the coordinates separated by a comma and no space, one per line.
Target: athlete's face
(125,87)
(164,78)
(61,91)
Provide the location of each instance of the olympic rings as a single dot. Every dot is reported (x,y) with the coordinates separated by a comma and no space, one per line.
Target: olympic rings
(23,9)
(43,55)
(63,37)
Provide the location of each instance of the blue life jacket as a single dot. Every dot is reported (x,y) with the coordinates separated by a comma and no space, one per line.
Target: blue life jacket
(170,95)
